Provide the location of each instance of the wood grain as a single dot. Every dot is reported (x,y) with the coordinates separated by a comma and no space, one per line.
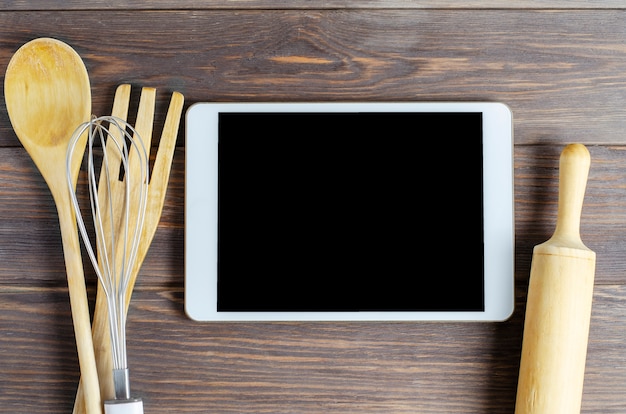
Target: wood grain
(562,72)
(560,66)
(295,367)
(304,4)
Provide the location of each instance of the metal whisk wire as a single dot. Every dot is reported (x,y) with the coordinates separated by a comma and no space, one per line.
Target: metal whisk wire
(117,233)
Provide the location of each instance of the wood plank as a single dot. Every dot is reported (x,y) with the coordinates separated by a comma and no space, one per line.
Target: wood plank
(559,64)
(295,367)
(304,4)
(29,226)
(563,73)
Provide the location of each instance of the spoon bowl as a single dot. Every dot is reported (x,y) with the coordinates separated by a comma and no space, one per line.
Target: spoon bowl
(48,95)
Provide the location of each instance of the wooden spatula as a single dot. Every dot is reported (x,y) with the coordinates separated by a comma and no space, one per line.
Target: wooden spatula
(156,196)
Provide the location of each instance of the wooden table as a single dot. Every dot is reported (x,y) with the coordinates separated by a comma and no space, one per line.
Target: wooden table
(560,66)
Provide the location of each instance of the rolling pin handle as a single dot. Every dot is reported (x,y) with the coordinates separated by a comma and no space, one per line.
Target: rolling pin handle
(573,172)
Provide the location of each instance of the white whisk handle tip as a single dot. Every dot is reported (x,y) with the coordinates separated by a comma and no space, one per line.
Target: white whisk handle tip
(131,406)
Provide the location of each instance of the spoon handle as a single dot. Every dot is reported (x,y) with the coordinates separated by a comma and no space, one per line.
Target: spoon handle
(79,306)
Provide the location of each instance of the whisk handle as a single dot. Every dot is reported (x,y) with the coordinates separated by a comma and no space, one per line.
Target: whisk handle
(131,406)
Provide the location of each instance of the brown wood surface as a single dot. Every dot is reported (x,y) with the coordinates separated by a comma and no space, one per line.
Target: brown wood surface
(560,66)
(307,4)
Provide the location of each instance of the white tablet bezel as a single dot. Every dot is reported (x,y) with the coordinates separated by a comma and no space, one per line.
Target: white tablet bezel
(201,218)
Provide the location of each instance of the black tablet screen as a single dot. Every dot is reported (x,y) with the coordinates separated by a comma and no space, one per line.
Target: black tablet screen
(350,212)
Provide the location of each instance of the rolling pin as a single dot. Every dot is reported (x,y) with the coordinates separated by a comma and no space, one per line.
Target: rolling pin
(558,308)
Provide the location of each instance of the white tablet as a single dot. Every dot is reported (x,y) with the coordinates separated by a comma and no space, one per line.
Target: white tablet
(349,212)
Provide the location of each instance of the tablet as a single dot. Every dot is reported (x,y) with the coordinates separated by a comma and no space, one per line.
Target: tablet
(349,212)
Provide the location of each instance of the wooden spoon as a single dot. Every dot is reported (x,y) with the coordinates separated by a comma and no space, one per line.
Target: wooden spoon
(48,95)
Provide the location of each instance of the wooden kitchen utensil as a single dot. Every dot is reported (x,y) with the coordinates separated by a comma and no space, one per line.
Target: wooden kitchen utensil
(48,94)
(157,188)
(558,311)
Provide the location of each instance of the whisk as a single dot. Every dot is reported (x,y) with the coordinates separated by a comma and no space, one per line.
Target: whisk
(116,156)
